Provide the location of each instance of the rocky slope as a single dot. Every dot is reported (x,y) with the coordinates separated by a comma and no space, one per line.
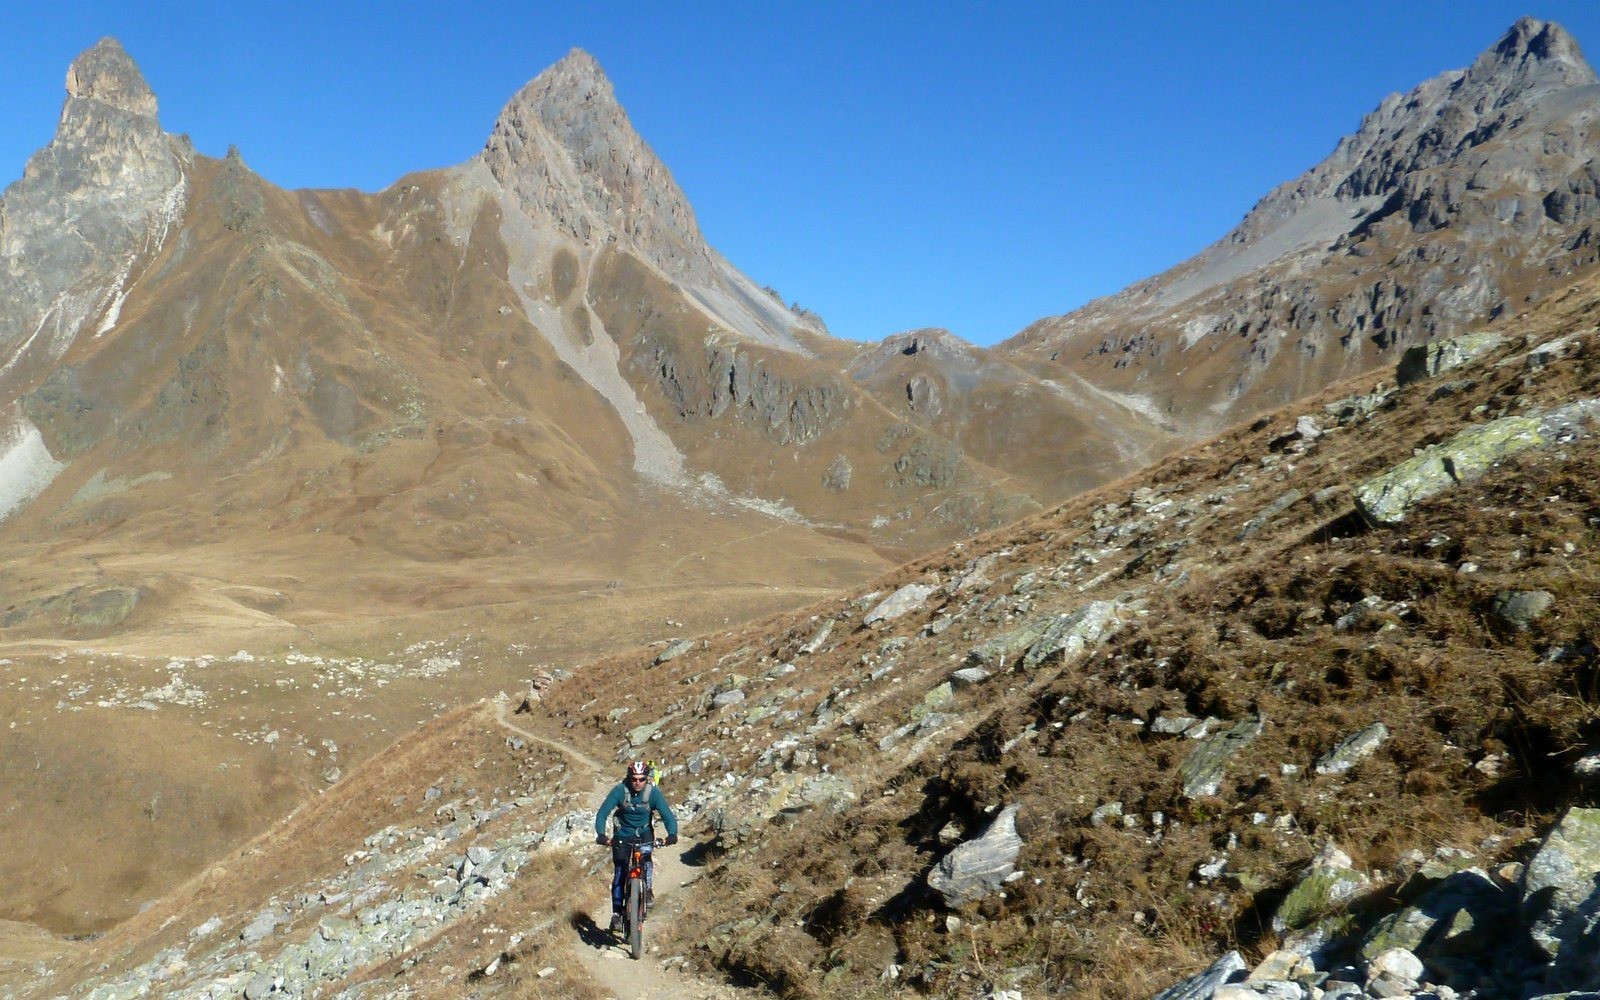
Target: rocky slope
(1314,697)
(1449,208)
(257,445)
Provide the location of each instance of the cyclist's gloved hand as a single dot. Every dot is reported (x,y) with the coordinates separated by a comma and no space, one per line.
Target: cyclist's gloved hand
(672,838)
(603,840)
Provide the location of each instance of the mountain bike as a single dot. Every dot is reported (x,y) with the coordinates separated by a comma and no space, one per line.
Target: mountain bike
(636,894)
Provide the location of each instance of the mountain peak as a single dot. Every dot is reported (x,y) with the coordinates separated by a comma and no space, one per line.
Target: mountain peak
(1532,58)
(1536,39)
(566,149)
(107,74)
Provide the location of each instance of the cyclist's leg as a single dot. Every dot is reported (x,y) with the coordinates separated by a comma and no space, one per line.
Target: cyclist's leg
(650,877)
(618,872)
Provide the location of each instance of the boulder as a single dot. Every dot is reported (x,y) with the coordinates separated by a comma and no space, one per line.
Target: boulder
(1204,985)
(675,649)
(999,650)
(902,602)
(264,923)
(1561,901)
(1427,360)
(968,676)
(1260,989)
(1517,610)
(978,868)
(1280,965)
(1396,964)
(640,735)
(259,987)
(1204,769)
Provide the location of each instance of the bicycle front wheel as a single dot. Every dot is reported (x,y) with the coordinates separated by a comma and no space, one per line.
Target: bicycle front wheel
(635,917)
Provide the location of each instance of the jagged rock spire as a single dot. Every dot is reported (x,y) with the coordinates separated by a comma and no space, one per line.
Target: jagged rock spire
(566,149)
(107,189)
(106,74)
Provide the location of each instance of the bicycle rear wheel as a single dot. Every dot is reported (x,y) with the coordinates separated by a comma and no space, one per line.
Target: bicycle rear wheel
(635,917)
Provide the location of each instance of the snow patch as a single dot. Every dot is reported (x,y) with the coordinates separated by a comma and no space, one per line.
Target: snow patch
(26,465)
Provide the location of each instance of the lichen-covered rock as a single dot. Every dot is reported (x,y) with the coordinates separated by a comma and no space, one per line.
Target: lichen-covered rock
(1204,769)
(1450,918)
(1560,901)
(999,650)
(1427,360)
(1386,499)
(978,868)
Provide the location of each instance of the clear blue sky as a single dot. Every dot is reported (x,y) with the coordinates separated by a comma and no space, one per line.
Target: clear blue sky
(891,165)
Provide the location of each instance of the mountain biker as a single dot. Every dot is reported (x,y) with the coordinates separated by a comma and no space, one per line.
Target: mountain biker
(633,802)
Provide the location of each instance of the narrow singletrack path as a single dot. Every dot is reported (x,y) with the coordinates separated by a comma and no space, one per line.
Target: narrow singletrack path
(607,962)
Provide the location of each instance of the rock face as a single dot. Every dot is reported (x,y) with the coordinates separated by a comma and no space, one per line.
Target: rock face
(566,150)
(979,867)
(106,191)
(1430,219)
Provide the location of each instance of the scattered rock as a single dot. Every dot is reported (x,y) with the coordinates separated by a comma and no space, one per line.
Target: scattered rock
(902,602)
(1204,986)
(1517,610)
(1069,635)
(814,644)
(1204,769)
(674,650)
(1269,512)
(978,868)
(1352,749)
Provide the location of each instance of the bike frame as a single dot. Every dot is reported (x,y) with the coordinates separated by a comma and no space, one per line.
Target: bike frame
(635,893)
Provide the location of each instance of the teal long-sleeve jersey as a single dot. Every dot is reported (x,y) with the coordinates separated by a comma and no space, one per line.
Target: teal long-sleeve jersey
(633,812)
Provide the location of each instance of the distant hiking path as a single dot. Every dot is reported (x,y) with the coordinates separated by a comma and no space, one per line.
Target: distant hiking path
(609,966)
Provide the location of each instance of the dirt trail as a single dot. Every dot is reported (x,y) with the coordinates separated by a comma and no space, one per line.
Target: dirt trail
(607,962)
